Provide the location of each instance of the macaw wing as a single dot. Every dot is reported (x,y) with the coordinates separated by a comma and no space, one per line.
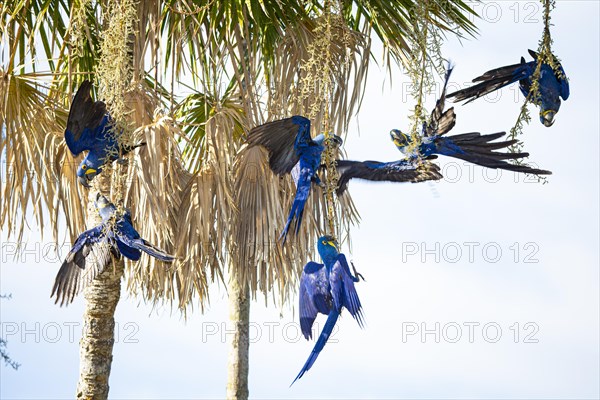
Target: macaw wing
(441,121)
(562,77)
(395,171)
(126,250)
(281,138)
(563,80)
(152,250)
(564,84)
(84,117)
(343,290)
(90,255)
(513,73)
(313,296)
(493,80)
(130,243)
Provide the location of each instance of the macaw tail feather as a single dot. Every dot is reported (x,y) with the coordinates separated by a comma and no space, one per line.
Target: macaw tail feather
(133,253)
(492,80)
(295,217)
(479,149)
(297,211)
(325,333)
(154,251)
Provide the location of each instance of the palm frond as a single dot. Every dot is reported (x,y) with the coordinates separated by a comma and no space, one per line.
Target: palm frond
(38,170)
(162,194)
(257,254)
(391,21)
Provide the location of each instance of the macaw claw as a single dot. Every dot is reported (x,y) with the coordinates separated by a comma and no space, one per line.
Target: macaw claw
(356,273)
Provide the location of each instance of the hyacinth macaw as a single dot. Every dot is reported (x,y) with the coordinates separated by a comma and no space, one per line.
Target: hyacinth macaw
(93,251)
(552,85)
(472,147)
(326,289)
(405,170)
(289,143)
(90,128)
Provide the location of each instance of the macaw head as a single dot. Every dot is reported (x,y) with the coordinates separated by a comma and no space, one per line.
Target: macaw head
(328,248)
(400,139)
(549,102)
(321,138)
(106,209)
(86,172)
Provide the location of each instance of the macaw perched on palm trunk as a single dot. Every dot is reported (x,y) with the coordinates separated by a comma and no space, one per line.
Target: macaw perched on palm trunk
(289,144)
(93,251)
(90,128)
(326,289)
(553,84)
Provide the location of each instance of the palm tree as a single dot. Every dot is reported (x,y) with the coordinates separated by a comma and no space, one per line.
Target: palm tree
(219,209)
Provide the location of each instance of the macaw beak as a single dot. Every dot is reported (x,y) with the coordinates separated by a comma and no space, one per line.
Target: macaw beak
(83,180)
(88,175)
(337,140)
(101,201)
(395,134)
(547,117)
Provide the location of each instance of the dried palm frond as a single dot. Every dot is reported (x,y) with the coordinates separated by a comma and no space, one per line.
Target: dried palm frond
(68,195)
(257,254)
(38,171)
(187,215)
(205,215)
(197,249)
(292,87)
(303,85)
(301,61)
(153,184)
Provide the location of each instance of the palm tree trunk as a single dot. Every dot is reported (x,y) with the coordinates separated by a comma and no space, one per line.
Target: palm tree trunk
(98,336)
(96,345)
(239,345)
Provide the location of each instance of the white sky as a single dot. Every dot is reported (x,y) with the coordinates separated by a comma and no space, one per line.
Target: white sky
(548,292)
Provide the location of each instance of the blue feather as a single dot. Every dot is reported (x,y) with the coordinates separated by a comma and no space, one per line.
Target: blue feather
(553,85)
(129,252)
(323,337)
(326,289)
(473,147)
(90,128)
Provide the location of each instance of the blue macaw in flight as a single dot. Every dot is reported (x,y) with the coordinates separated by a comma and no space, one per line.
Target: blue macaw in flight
(89,128)
(472,147)
(93,251)
(326,289)
(289,144)
(553,85)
